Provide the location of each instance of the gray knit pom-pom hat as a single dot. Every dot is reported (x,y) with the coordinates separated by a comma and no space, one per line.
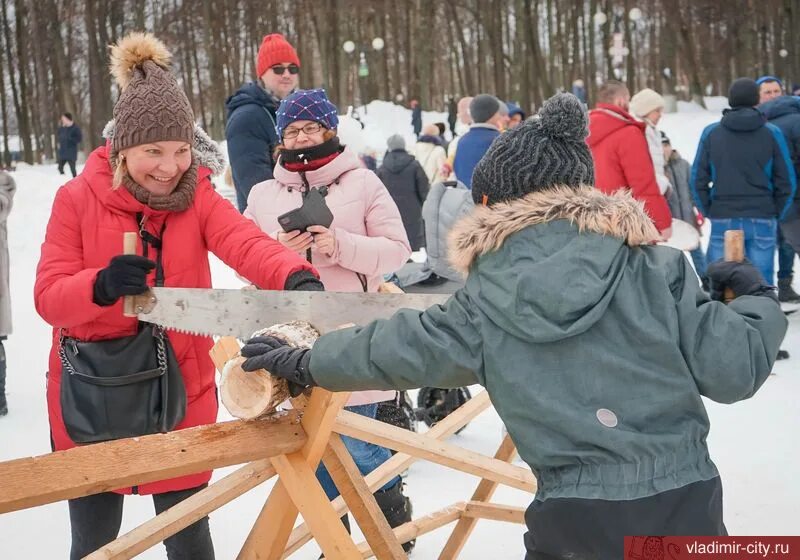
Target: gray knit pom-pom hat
(539,154)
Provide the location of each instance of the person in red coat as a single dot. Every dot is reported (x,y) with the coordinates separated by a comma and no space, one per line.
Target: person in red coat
(152,176)
(621,156)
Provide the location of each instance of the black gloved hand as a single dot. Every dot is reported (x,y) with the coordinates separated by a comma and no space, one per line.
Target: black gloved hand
(303,281)
(741,277)
(280,359)
(125,275)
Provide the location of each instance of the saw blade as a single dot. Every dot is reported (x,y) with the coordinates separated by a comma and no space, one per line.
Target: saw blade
(240,313)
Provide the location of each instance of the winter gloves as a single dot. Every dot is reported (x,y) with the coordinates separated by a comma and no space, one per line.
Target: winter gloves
(281,360)
(741,277)
(303,281)
(125,275)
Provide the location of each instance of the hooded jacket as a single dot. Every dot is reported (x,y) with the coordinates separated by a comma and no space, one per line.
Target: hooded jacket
(85,231)
(784,112)
(252,137)
(407,184)
(595,350)
(432,156)
(370,237)
(743,168)
(622,160)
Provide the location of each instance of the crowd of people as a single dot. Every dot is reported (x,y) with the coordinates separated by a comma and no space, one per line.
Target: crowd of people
(553,227)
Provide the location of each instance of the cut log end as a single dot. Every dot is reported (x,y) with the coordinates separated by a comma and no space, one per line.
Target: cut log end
(248,395)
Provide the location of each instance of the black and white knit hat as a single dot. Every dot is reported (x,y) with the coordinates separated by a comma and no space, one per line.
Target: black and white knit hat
(539,154)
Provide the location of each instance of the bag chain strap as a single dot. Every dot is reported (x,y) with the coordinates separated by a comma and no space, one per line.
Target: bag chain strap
(161,351)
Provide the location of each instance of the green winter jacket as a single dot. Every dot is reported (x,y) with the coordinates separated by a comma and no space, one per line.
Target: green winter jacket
(595,349)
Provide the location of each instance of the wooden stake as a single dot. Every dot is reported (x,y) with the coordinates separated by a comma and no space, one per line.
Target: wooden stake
(734,252)
(483,493)
(350,482)
(185,513)
(129,248)
(400,462)
(442,453)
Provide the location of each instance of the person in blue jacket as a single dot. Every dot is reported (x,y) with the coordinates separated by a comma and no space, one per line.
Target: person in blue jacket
(69,136)
(743,178)
(784,112)
(489,116)
(250,129)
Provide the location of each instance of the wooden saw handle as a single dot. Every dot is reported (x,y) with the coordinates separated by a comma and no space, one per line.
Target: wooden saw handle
(129,248)
(734,252)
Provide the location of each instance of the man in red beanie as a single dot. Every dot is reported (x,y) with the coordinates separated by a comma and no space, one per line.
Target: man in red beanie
(250,129)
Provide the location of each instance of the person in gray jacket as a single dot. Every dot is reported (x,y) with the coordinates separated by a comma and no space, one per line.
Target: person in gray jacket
(7,190)
(595,346)
(679,172)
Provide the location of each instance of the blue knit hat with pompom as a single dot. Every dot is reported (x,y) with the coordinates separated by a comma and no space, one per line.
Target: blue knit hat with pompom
(541,153)
(307,105)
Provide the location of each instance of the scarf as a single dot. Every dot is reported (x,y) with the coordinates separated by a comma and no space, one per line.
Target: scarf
(311,158)
(178,200)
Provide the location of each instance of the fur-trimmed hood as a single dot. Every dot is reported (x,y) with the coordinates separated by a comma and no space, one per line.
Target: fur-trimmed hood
(205,151)
(547,266)
(486,229)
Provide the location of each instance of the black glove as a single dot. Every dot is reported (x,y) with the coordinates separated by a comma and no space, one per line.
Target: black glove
(125,275)
(741,277)
(303,281)
(280,359)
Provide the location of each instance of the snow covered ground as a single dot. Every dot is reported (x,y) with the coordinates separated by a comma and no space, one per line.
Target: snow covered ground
(754,443)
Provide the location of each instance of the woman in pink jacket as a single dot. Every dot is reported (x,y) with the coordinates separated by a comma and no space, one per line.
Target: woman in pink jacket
(365,240)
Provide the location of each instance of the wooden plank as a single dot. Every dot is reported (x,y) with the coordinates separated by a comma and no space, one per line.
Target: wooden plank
(186,512)
(268,537)
(224,349)
(483,493)
(90,469)
(401,461)
(440,452)
(421,526)
(300,481)
(496,512)
(129,248)
(350,482)
(733,251)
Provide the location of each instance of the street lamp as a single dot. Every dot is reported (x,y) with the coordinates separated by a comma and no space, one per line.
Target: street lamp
(350,47)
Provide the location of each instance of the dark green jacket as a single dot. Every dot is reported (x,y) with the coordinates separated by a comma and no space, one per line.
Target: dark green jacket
(595,349)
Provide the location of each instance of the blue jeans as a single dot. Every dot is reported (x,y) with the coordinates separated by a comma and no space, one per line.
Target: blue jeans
(367,456)
(760,238)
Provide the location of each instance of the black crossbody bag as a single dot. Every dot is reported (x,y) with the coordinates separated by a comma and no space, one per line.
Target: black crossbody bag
(124,387)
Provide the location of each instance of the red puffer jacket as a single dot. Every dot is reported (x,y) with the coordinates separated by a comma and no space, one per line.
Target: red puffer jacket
(85,231)
(622,160)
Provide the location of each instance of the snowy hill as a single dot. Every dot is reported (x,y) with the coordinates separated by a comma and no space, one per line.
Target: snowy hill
(754,443)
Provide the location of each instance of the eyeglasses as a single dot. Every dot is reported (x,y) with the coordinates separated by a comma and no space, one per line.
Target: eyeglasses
(292,68)
(310,128)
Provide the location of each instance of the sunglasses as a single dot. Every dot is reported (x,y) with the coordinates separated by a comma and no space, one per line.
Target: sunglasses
(292,68)
(310,128)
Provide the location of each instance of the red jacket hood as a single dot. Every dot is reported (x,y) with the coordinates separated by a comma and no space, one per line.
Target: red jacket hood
(606,119)
(97,174)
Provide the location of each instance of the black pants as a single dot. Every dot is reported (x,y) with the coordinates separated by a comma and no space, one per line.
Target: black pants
(95,522)
(581,529)
(2,373)
(71,163)
(791,233)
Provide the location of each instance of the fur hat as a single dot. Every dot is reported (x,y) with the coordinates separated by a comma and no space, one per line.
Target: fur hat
(152,107)
(644,102)
(539,154)
(307,105)
(274,49)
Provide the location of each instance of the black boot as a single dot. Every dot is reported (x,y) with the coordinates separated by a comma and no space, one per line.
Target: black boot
(397,509)
(786,293)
